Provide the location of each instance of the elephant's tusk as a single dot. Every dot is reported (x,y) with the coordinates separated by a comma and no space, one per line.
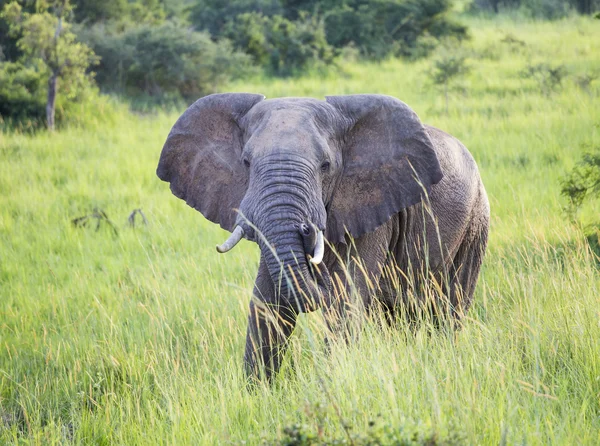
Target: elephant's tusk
(234,238)
(319,249)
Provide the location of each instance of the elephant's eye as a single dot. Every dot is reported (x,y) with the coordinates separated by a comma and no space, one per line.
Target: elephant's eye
(325,166)
(246,162)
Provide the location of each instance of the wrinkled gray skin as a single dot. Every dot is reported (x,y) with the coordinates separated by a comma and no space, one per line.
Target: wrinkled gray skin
(361,168)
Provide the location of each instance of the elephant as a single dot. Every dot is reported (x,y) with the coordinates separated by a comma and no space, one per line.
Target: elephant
(354,203)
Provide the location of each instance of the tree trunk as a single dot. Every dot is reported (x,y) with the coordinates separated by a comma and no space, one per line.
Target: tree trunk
(51,103)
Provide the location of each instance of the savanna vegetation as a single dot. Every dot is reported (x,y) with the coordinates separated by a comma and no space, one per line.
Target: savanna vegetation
(120,324)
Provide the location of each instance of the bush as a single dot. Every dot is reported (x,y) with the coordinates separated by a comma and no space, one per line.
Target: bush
(295,46)
(23,95)
(376,432)
(585,81)
(548,77)
(22,91)
(583,181)
(93,11)
(448,67)
(163,60)
(282,46)
(307,29)
(380,28)
(213,15)
(248,33)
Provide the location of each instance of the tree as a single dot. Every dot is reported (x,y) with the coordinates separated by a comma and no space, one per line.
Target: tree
(447,67)
(44,36)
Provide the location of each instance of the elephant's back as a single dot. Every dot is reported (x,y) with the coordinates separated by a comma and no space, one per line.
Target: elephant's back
(455,160)
(461,181)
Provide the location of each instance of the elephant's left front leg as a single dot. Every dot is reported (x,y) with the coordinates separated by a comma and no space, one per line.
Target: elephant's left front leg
(269,327)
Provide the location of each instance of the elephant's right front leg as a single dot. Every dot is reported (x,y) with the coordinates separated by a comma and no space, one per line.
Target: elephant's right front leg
(269,327)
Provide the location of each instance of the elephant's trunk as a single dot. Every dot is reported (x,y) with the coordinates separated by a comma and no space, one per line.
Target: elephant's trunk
(287,264)
(282,212)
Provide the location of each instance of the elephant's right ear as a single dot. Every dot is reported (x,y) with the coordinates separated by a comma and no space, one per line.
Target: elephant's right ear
(390,163)
(202,156)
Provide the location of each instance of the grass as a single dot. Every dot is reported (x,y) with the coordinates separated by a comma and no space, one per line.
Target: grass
(137,338)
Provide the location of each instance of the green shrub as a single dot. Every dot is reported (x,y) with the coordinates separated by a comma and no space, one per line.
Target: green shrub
(213,15)
(166,60)
(380,28)
(583,181)
(297,45)
(49,47)
(448,67)
(376,432)
(281,45)
(548,77)
(248,33)
(308,28)
(22,91)
(144,11)
(23,95)
(585,81)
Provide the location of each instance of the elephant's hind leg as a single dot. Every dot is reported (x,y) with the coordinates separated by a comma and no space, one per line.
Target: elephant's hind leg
(465,268)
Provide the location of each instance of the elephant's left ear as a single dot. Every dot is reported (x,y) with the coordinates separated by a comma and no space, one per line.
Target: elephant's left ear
(389,163)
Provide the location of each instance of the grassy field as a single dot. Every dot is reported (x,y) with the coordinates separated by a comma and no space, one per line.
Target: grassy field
(137,338)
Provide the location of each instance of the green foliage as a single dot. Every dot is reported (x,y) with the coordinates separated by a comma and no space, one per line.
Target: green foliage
(248,33)
(213,15)
(580,185)
(380,28)
(45,36)
(23,96)
(583,181)
(94,11)
(375,432)
(585,81)
(449,66)
(140,11)
(48,50)
(548,77)
(297,45)
(166,60)
(283,46)
(22,91)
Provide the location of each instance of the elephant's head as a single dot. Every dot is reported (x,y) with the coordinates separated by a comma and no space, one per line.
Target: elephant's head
(283,172)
